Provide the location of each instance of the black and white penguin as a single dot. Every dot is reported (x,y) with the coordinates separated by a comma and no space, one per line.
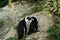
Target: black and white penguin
(33,26)
(21,28)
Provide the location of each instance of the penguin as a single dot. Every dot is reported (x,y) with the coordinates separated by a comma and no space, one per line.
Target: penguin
(21,28)
(33,26)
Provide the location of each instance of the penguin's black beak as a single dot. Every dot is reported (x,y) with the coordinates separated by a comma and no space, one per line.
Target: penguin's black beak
(28,18)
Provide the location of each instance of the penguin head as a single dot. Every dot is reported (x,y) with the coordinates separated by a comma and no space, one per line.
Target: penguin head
(27,18)
(33,18)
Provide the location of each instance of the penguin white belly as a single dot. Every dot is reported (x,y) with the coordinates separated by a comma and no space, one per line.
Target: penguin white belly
(27,25)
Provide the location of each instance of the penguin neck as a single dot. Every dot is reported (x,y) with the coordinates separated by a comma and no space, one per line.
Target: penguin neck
(26,20)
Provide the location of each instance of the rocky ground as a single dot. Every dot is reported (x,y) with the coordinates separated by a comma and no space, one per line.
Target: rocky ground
(11,17)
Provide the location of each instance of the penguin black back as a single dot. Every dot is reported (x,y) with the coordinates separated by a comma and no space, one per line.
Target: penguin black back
(33,26)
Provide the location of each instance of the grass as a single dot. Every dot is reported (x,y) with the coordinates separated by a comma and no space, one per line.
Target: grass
(11,38)
(54,31)
(1,22)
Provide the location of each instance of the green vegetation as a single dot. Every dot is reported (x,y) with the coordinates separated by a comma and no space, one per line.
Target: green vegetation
(11,38)
(1,22)
(54,31)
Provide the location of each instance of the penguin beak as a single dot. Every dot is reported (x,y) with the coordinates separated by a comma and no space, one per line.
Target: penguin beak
(29,18)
